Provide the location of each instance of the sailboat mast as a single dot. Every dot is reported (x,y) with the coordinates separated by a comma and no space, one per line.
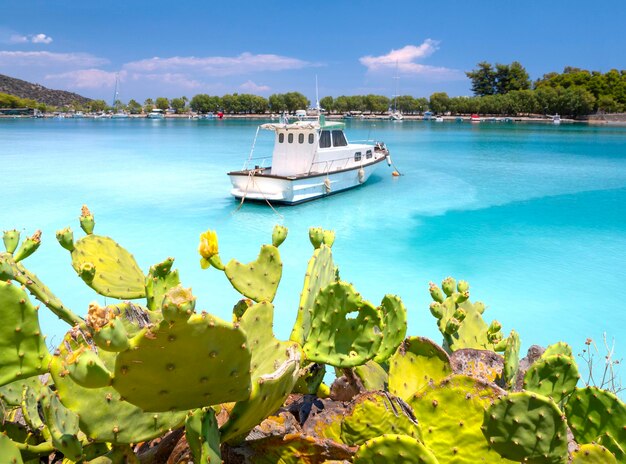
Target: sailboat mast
(116,93)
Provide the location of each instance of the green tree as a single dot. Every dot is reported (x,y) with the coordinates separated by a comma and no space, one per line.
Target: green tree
(296,101)
(439,102)
(483,79)
(576,101)
(148,105)
(162,103)
(134,107)
(178,105)
(376,103)
(327,103)
(96,106)
(277,103)
(511,77)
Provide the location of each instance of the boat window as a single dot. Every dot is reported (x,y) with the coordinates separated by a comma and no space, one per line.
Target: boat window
(300,138)
(368,154)
(290,138)
(281,138)
(325,139)
(339,140)
(311,138)
(357,156)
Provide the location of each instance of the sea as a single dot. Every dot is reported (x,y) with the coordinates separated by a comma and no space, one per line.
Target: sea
(533,216)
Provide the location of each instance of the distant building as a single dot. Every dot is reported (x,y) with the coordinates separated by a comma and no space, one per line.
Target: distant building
(18,112)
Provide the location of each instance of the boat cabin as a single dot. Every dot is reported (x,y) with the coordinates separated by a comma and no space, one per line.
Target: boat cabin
(307,147)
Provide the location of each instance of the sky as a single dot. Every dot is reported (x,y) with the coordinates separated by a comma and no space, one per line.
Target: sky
(183,48)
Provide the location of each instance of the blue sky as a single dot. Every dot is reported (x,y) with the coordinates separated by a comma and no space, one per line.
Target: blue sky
(175,48)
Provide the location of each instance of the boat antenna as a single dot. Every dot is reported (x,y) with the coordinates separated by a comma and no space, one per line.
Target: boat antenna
(395,97)
(317,99)
(116,92)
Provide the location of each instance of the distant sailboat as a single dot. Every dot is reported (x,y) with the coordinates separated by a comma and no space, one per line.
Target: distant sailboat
(119,114)
(394,114)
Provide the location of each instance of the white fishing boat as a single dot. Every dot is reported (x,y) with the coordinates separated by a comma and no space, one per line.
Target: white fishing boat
(156,113)
(311,159)
(556,119)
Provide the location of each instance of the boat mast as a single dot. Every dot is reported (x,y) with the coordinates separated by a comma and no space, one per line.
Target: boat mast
(395,97)
(116,92)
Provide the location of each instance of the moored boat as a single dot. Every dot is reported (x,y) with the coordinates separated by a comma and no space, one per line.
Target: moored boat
(311,159)
(556,119)
(474,118)
(156,113)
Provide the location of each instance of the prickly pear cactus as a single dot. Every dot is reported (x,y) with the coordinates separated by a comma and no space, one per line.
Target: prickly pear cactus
(561,348)
(417,362)
(554,376)
(9,453)
(203,436)
(159,281)
(593,454)
(274,371)
(394,326)
(592,412)
(320,272)
(62,424)
(259,279)
(279,234)
(527,426)
(23,351)
(103,415)
(460,321)
(617,449)
(511,359)
(373,414)
(335,337)
(372,376)
(105,266)
(451,414)
(160,356)
(399,449)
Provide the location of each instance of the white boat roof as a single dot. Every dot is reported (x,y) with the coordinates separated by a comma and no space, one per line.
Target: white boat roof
(302,125)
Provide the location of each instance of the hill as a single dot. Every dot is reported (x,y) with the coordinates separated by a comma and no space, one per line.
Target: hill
(24,89)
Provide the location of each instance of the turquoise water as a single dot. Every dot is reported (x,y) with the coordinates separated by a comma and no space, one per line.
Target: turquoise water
(532,216)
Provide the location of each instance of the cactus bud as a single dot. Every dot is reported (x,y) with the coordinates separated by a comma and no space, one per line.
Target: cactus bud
(66,238)
(87,272)
(240,308)
(462,286)
(460,297)
(279,234)
(11,239)
(209,250)
(178,302)
(435,292)
(452,326)
(436,309)
(460,314)
(87,222)
(29,246)
(316,236)
(448,285)
(495,327)
(329,238)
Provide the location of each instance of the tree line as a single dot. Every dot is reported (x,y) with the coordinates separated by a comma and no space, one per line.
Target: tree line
(500,89)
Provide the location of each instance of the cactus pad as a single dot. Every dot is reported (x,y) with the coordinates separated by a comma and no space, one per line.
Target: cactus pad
(554,376)
(399,449)
(592,412)
(259,279)
(23,351)
(511,359)
(527,426)
(451,414)
(372,376)
(335,337)
(9,453)
(593,454)
(104,416)
(274,371)
(319,273)
(377,413)
(203,436)
(62,424)
(394,326)
(558,348)
(461,322)
(108,268)
(416,362)
(159,281)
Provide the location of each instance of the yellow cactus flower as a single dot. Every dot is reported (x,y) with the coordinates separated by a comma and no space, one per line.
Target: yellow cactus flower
(208,244)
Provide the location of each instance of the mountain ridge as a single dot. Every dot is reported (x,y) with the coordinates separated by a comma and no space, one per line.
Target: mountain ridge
(39,93)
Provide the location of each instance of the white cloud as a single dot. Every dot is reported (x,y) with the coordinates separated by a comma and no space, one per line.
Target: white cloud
(218,65)
(36,39)
(403,60)
(41,38)
(252,87)
(16,39)
(76,60)
(85,78)
(176,79)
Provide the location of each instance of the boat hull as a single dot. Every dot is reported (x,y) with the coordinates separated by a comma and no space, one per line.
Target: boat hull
(260,186)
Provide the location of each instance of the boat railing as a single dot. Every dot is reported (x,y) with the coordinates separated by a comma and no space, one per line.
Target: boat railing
(255,162)
(330,165)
